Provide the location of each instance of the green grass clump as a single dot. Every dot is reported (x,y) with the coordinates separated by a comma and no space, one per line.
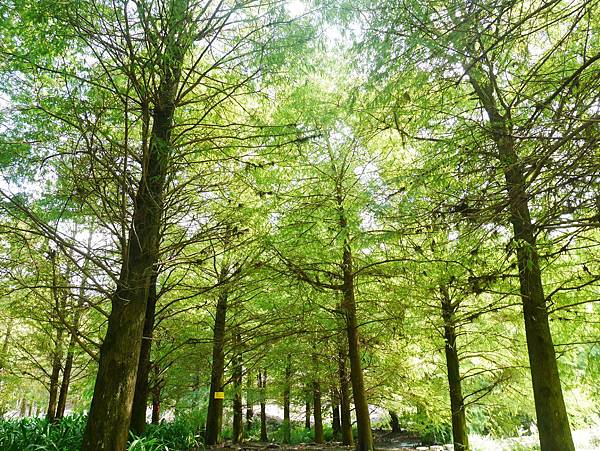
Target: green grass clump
(37,434)
(29,434)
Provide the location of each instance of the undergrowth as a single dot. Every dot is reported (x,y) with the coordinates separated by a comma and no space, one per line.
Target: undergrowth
(37,434)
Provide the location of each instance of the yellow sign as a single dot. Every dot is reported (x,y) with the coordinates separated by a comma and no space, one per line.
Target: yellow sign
(219,395)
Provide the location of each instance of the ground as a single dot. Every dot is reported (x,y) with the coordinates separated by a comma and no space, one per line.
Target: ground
(386,441)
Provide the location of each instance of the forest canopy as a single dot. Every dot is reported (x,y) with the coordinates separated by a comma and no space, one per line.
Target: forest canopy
(227,221)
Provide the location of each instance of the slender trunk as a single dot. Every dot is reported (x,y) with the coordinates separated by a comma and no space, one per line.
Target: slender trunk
(238,421)
(55,376)
(345,419)
(214,417)
(4,356)
(30,410)
(348,307)
(552,419)
(459,420)
(394,422)
(307,416)
(249,402)
(74,330)
(59,300)
(108,423)
(262,383)
(319,438)
(156,391)
(5,344)
(140,397)
(66,379)
(286,400)
(335,422)
(23,410)
(335,413)
(363,421)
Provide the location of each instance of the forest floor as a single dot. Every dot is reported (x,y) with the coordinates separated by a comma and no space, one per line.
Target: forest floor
(385,442)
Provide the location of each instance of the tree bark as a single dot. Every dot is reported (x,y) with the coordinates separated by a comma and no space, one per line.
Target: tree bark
(5,344)
(307,416)
(66,379)
(319,438)
(249,402)
(59,301)
(394,422)
(238,420)
(348,307)
(140,397)
(459,421)
(286,400)
(214,417)
(74,330)
(552,419)
(156,392)
(345,419)
(335,414)
(262,377)
(363,420)
(55,376)
(108,423)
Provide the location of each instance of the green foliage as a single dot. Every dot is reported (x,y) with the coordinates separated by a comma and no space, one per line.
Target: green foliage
(430,430)
(298,434)
(380,125)
(498,423)
(432,433)
(35,434)
(180,434)
(190,411)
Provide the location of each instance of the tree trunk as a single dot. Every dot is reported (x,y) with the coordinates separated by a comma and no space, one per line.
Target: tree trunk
(345,419)
(307,416)
(59,300)
(249,402)
(66,379)
(214,417)
(23,410)
(319,438)
(156,391)
(286,400)
(5,344)
(54,376)
(459,420)
(394,422)
(262,377)
(74,330)
(552,419)
(348,307)
(335,421)
(363,421)
(238,421)
(140,397)
(335,414)
(108,423)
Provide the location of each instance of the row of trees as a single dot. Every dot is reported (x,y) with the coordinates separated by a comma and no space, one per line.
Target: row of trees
(201,194)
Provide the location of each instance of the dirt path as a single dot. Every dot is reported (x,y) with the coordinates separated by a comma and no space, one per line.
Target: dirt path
(384,442)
